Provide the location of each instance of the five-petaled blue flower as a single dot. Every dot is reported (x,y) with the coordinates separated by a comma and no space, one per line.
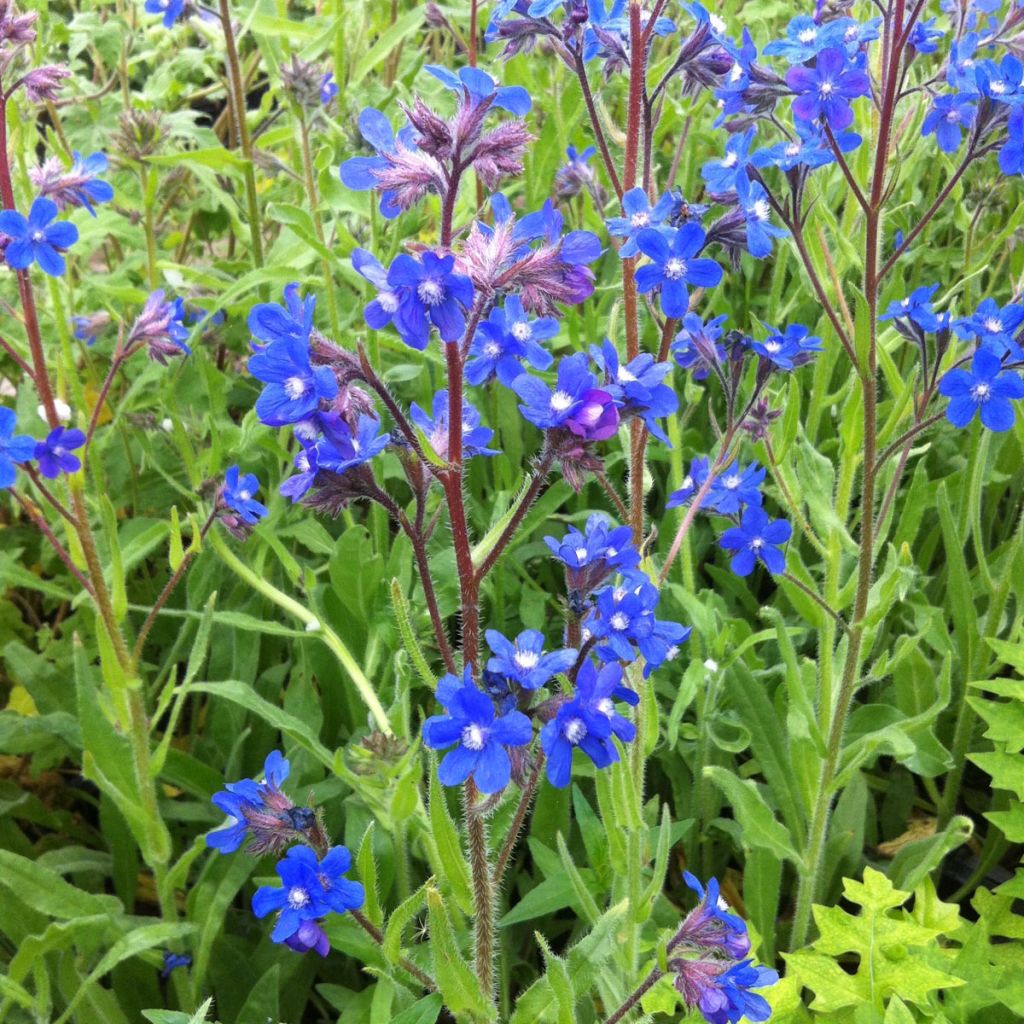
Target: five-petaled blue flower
(692,483)
(430,292)
(735,487)
(80,185)
(696,346)
(480,736)
(924,37)
(675,264)
(947,119)
(505,338)
(361,172)
(171,10)
(995,327)
(787,349)
(711,924)
(238,494)
(591,556)
(524,660)
(54,455)
(757,539)
(36,238)
(547,409)
(916,307)
(805,39)
(14,448)
(588,721)
(985,388)
(244,801)
(341,448)
(311,889)
(479,86)
(721,991)
(824,92)
(720,175)
(638,214)
(753,201)
(435,428)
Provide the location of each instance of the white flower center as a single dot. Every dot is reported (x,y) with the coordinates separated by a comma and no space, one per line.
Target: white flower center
(244,495)
(761,209)
(756,544)
(575,730)
(772,346)
(670,654)
(687,482)
(998,87)
(606,707)
(825,89)
(474,737)
(302,463)
(981,392)
(850,34)
(716,22)
(994,324)
(38,236)
(492,350)
(952,116)
(356,446)
(793,149)
(581,553)
(430,291)
(521,330)
(640,220)
(624,376)
(297,897)
(619,621)
(295,388)
(808,35)
(388,301)
(675,268)
(729,160)
(732,481)
(526,659)
(560,401)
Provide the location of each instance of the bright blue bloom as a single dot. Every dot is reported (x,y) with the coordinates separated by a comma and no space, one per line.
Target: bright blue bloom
(238,494)
(1011,156)
(810,149)
(947,119)
(961,69)
(328,88)
(757,539)
(242,800)
(610,18)
(721,993)
(696,346)
(995,328)
(341,448)
(305,463)
(637,386)
(54,454)
(720,175)
(14,449)
(858,33)
(639,214)
(294,387)
(753,201)
(524,661)
(732,92)
(548,409)
(480,736)
(480,86)
(924,37)
(36,239)
(311,889)
(986,389)
(692,483)
(430,292)
(588,721)
(507,336)
(735,487)
(1003,82)
(825,91)
(711,924)
(80,185)
(172,961)
(787,350)
(805,39)
(435,428)
(916,307)
(170,9)
(591,556)
(360,172)
(674,264)
(381,311)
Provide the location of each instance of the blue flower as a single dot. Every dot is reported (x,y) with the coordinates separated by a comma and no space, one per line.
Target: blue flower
(36,239)
(480,86)
(961,69)
(170,9)
(270,322)
(381,311)
(638,215)
(986,389)
(1011,156)
(311,889)
(54,454)
(588,721)
(591,556)
(757,539)
(711,924)
(361,172)
(916,307)
(825,91)
(248,801)
(994,327)
(674,265)
(505,338)
(1001,83)
(14,449)
(722,993)
(696,346)
(692,483)
(787,350)
(480,736)
(77,186)
(734,487)
(810,149)
(576,174)
(435,428)
(947,119)
(238,495)
(524,662)
(753,200)
(548,409)
(924,37)
(172,961)
(805,39)
(328,88)
(637,386)
(340,448)
(299,483)
(431,292)
(720,175)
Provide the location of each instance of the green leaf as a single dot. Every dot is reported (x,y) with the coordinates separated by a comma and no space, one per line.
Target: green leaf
(455,978)
(45,891)
(591,911)
(424,1011)
(760,827)
(404,27)
(456,875)
(399,919)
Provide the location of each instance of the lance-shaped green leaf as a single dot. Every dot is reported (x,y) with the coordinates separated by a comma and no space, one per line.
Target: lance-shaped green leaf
(454,976)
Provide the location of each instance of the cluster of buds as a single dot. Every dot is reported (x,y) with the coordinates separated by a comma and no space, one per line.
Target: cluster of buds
(310,84)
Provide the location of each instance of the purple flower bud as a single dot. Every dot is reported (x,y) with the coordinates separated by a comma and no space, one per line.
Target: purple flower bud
(42,84)
(597,419)
(160,327)
(499,154)
(435,134)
